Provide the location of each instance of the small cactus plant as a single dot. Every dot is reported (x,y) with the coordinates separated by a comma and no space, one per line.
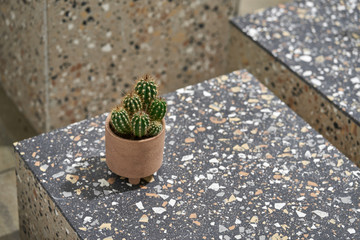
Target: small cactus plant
(141,112)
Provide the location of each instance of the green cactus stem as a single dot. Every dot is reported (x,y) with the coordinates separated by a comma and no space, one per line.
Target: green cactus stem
(120,121)
(141,113)
(157,109)
(132,103)
(146,89)
(154,128)
(140,123)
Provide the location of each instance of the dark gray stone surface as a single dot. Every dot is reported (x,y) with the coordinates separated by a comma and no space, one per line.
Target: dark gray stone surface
(318,40)
(237,163)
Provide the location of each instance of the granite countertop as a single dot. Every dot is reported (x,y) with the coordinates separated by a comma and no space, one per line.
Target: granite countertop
(319,41)
(237,163)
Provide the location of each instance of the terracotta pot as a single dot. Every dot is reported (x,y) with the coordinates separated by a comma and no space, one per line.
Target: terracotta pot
(133,159)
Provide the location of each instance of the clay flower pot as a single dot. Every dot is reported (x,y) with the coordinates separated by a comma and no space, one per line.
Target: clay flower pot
(133,159)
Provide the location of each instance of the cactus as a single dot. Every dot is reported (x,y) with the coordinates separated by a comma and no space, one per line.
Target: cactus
(154,128)
(120,121)
(157,109)
(141,113)
(132,103)
(140,123)
(146,89)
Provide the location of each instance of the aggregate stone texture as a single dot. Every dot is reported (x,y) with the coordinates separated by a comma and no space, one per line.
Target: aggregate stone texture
(96,49)
(237,163)
(39,217)
(308,52)
(9,221)
(22,57)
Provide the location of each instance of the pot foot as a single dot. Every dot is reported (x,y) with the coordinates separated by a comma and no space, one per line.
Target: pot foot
(134,181)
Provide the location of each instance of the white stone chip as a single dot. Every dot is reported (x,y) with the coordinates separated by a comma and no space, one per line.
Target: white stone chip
(187,157)
(197,178)
(316,82)
(305,58)
(159,210)
(253,32)
(140,205)
(59,174)
(103,183)
(106,48)
(355,80)
(346,199)
(67,194)
(163,196)
(307,73)
(300,214)
(214,160)
(206,94)
(222,228)
(172,202)
(214,186)
(44,167)
(279,205)
(105,7)
(87,219)
(351,231)
(321,213)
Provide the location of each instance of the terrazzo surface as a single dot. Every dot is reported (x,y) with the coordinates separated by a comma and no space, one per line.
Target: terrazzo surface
(237,163)
(107,45)
(22,58)
(318,40)
(56,55)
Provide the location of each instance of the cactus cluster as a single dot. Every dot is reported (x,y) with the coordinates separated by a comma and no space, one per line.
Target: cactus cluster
(141,111)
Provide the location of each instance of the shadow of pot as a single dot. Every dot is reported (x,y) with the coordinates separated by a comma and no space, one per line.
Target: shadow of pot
(134,159)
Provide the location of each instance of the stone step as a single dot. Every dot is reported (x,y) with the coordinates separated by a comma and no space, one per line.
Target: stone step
(237,163)
(307,53)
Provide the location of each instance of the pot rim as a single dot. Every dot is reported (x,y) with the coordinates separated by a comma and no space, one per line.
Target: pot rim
(107,126)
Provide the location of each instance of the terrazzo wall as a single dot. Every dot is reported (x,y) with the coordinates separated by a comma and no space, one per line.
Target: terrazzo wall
(64,61)
(22,57)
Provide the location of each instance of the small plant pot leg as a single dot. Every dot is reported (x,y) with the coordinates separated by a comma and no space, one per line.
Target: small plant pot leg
(134,181)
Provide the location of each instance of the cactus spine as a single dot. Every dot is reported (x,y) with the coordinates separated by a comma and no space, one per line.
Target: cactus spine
(141,112)
(120,121)
(154,128)
(132,103)
(157,109)
(140,123)
(147,89)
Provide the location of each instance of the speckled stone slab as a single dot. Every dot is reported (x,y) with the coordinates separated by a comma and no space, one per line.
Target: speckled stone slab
(237,163)
(56,55)
(308,52)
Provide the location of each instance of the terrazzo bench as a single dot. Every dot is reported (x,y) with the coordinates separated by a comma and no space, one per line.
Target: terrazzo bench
(237,163)
(307,53)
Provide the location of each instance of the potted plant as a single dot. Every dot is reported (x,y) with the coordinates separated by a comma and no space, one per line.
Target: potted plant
(135,132)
